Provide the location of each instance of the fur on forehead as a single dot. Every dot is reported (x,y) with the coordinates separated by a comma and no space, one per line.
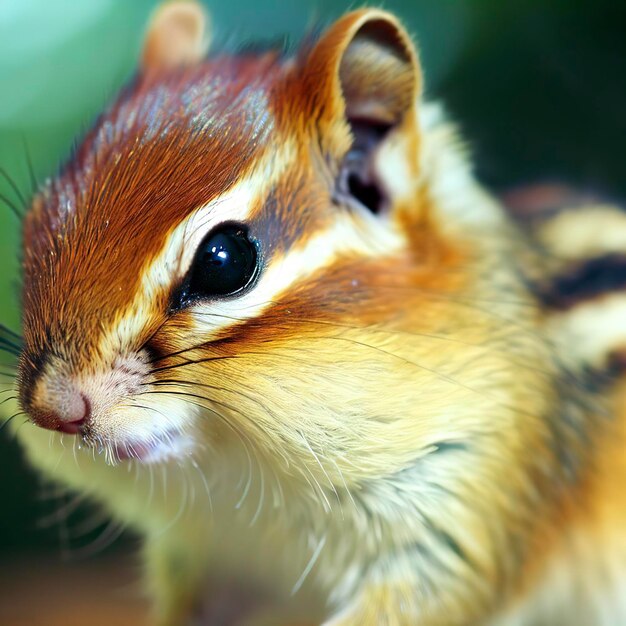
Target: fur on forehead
(174,140)
(170,144)
(189,133)
(180,135)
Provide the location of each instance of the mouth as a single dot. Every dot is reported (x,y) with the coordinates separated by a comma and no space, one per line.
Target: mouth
(170,445)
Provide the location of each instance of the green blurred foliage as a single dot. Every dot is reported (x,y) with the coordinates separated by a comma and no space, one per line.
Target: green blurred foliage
(539,88)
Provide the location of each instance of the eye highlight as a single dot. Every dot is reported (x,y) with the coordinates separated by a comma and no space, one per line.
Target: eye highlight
(225,264)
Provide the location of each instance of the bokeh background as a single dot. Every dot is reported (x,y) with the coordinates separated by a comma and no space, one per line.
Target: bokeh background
(539,89)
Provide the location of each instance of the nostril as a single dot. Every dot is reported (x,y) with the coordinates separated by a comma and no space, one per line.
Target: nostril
(69,417)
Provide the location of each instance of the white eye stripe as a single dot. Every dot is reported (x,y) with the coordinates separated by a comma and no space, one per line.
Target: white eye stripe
(364,236)
(234,206)
(346,236)
(184,241)
(174,260)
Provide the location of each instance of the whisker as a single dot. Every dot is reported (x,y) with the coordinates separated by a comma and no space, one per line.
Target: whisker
(335,338)
(330,482)
(150,485)
(16,338)
(6,422)
(181,508)
(309,565)
(29,164)
(506,326)
(247,486)
(52,492)
(12,207)
(205,360)
(197,397)
(195,465)
(62,513)
(236,392)
(9,348)
(257,513)
(111,533)
(242,436)
(442,376)
(88,525)
(13,185)
(11,344)
(345,484)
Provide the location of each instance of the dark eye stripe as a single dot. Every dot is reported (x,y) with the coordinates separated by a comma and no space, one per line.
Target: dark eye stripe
(585,281)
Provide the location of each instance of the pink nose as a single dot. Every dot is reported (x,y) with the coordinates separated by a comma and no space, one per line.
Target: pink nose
(68,416)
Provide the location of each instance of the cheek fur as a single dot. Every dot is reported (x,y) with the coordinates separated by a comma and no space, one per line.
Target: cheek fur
(306,382)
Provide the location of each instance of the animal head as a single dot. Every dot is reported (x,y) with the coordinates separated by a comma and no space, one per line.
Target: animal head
(288,251)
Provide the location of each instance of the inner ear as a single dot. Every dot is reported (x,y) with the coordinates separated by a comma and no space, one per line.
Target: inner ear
(379,81)
(357,182)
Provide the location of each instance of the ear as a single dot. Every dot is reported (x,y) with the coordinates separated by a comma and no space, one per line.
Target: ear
(367,80)
(177,35)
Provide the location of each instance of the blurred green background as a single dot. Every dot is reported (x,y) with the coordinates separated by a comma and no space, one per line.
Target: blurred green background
(539,89)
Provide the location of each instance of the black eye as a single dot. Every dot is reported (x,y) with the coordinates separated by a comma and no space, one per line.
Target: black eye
(225,263)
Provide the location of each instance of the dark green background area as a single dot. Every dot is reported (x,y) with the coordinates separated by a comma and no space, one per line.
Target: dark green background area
(539,89)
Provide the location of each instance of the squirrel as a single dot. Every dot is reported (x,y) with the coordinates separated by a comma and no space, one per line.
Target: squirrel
(348,384)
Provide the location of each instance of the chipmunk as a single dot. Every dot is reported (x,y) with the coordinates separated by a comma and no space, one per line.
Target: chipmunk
(312,362)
